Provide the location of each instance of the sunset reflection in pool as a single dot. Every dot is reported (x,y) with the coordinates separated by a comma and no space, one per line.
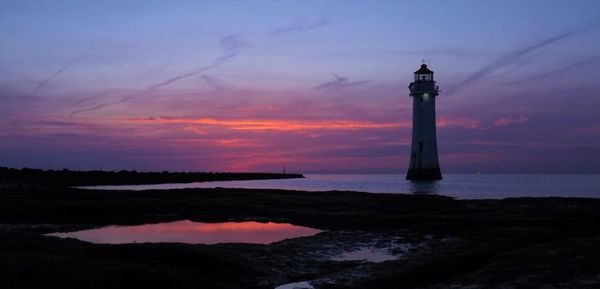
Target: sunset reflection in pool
(192,233)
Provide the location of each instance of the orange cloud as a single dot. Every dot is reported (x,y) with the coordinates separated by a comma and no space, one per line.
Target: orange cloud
(274,125)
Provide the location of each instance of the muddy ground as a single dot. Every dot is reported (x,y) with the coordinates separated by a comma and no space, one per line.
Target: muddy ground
(438,242)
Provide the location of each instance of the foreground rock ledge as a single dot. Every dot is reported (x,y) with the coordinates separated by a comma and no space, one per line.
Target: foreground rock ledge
(511,243)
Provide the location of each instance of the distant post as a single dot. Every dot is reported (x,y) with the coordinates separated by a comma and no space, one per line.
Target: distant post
(424,164)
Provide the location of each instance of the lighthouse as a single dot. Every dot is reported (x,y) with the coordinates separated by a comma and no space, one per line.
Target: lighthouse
(424,163)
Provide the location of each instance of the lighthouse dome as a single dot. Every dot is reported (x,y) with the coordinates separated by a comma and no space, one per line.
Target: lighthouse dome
(423,70)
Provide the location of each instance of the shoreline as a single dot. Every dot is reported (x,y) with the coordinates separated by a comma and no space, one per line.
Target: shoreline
(457,186)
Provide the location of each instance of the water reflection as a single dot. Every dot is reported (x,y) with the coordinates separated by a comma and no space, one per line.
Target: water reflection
(193,233)
(296,285)
(424,187)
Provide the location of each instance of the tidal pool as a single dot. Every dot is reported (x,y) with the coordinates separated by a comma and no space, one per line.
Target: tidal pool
(190,232)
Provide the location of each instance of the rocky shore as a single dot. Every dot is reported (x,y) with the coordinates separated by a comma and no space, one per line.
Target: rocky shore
(427,241)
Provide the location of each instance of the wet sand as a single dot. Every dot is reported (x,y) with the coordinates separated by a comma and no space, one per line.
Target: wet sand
(435,241)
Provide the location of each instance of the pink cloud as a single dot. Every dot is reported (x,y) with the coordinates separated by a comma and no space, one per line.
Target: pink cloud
(460,122)
(510,120)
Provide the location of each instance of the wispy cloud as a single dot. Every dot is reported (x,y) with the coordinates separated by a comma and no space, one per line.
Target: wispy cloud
(300,25)
(510,120)
(93,97)
(458,122)
(155,71)
(514,58)
(557,71)
(340,82)
(232,45)
(217,83)
(62,69)
(98,106)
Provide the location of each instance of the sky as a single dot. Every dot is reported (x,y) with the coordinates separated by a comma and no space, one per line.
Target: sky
(315,86)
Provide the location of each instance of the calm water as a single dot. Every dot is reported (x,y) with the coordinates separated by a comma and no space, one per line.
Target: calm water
(193,233)
(459,186)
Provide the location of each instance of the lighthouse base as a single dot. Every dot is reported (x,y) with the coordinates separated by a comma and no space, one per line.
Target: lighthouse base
(424,174)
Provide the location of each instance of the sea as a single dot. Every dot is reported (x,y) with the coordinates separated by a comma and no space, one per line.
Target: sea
(459,186)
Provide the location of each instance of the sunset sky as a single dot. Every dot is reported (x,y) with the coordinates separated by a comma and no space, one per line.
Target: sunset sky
(317,86)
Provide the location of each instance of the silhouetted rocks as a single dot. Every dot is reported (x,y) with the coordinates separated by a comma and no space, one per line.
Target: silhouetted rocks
(26,176)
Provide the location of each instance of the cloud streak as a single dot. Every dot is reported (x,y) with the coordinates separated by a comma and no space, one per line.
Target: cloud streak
(513,58)
(557,71)
(93,97)
(300,26)
(339,83)
(216,83)
(231,45)
(58,72)
(156,71)
(510,120)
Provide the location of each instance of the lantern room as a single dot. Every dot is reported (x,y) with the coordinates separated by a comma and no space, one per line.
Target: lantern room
(423,74)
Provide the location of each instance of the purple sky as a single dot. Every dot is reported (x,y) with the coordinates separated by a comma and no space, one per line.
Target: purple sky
(317,86)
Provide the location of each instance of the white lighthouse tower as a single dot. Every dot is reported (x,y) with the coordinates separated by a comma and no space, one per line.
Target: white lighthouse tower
(424,163)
